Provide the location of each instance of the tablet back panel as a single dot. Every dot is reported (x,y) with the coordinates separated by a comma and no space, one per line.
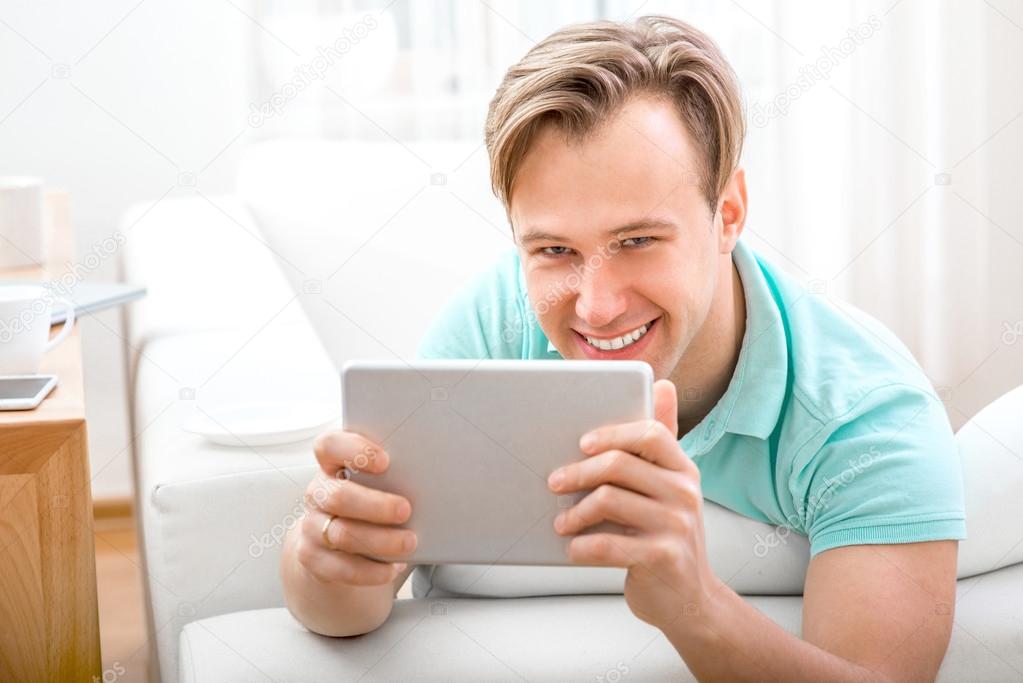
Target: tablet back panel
(473,442)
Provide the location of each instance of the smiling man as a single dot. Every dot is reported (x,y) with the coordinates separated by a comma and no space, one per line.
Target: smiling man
(615,149)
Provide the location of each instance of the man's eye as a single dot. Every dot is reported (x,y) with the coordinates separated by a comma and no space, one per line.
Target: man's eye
(636,241)
(555,251)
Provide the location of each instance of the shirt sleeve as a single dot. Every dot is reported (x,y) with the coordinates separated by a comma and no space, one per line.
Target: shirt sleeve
(889,472)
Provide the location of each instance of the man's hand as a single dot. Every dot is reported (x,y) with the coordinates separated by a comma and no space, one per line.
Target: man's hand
(642,480)
(338,565)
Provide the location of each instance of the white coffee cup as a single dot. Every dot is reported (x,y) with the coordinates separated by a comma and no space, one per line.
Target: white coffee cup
(25,314)
(22,242)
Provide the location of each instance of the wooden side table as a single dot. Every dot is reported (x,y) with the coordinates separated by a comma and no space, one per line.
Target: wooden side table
(49,623)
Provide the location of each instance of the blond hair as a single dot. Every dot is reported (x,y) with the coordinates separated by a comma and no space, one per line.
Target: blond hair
(581,75)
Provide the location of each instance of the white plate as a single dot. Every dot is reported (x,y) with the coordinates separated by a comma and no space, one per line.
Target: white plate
(261,424)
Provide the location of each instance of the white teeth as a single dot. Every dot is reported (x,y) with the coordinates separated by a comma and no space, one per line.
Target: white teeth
(618,342)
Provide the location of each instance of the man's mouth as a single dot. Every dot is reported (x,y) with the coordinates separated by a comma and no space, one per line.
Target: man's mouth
(620,342)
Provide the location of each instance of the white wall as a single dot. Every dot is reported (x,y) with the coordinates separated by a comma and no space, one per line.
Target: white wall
(113,102)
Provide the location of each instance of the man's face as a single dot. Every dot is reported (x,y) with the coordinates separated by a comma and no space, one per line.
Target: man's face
(615,234)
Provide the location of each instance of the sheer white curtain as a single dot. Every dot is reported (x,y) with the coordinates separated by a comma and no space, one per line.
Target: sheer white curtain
(890,184)
(881,156)
(428,68)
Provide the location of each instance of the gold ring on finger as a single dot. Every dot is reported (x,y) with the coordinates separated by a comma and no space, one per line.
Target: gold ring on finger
(325,529)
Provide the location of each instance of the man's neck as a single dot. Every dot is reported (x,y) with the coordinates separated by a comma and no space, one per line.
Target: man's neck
(705,371)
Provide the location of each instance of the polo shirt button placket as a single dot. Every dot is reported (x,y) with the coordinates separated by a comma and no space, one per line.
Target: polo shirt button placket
(703,445)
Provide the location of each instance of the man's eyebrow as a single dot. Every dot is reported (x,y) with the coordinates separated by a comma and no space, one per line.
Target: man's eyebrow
(628,228)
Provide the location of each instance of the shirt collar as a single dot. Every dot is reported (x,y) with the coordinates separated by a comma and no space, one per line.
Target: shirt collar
(753,401)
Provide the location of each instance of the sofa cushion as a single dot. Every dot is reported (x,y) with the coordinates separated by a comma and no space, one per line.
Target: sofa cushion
(541,639)
(456,639)
(991,448)
(387,232)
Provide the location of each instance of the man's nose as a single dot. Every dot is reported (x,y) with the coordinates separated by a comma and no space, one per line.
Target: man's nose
(600,297)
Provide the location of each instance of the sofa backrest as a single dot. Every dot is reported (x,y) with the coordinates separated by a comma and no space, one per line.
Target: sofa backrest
(375,236)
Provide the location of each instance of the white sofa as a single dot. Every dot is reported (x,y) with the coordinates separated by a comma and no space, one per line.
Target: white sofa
(330,251)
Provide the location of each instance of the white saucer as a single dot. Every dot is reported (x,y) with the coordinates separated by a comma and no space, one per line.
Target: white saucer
(261,424)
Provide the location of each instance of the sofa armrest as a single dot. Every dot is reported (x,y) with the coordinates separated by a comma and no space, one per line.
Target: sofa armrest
(220,326)
(212,517)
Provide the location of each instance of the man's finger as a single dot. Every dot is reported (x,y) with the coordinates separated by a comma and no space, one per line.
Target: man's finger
(613,504)
(666,405)
(341,449)
(359,538)
(355,501)
(620,468)
(609,550)
(331,566)
(649,439)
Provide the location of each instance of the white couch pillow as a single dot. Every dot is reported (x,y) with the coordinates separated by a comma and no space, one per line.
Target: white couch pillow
(991,449)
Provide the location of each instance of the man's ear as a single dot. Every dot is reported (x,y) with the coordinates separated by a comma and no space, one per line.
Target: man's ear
(732,210)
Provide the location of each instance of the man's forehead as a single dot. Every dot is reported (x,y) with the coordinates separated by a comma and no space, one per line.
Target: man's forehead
(540,210)
(639,166)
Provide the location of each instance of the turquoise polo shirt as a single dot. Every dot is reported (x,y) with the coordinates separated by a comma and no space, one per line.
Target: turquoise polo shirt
(828,426)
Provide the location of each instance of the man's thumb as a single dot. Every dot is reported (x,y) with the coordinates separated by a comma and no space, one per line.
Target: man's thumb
(666,404)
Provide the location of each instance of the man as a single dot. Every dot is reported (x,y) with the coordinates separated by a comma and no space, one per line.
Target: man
(615,149)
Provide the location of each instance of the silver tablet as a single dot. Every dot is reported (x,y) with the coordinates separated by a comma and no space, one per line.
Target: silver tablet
(472,444)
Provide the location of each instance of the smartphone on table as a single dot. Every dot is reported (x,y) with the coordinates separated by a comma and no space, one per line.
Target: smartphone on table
(24,392)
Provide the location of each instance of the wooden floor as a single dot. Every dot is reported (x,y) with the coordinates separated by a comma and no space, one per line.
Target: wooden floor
(122,621)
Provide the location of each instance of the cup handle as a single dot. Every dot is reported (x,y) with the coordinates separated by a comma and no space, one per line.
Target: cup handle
(65,330)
